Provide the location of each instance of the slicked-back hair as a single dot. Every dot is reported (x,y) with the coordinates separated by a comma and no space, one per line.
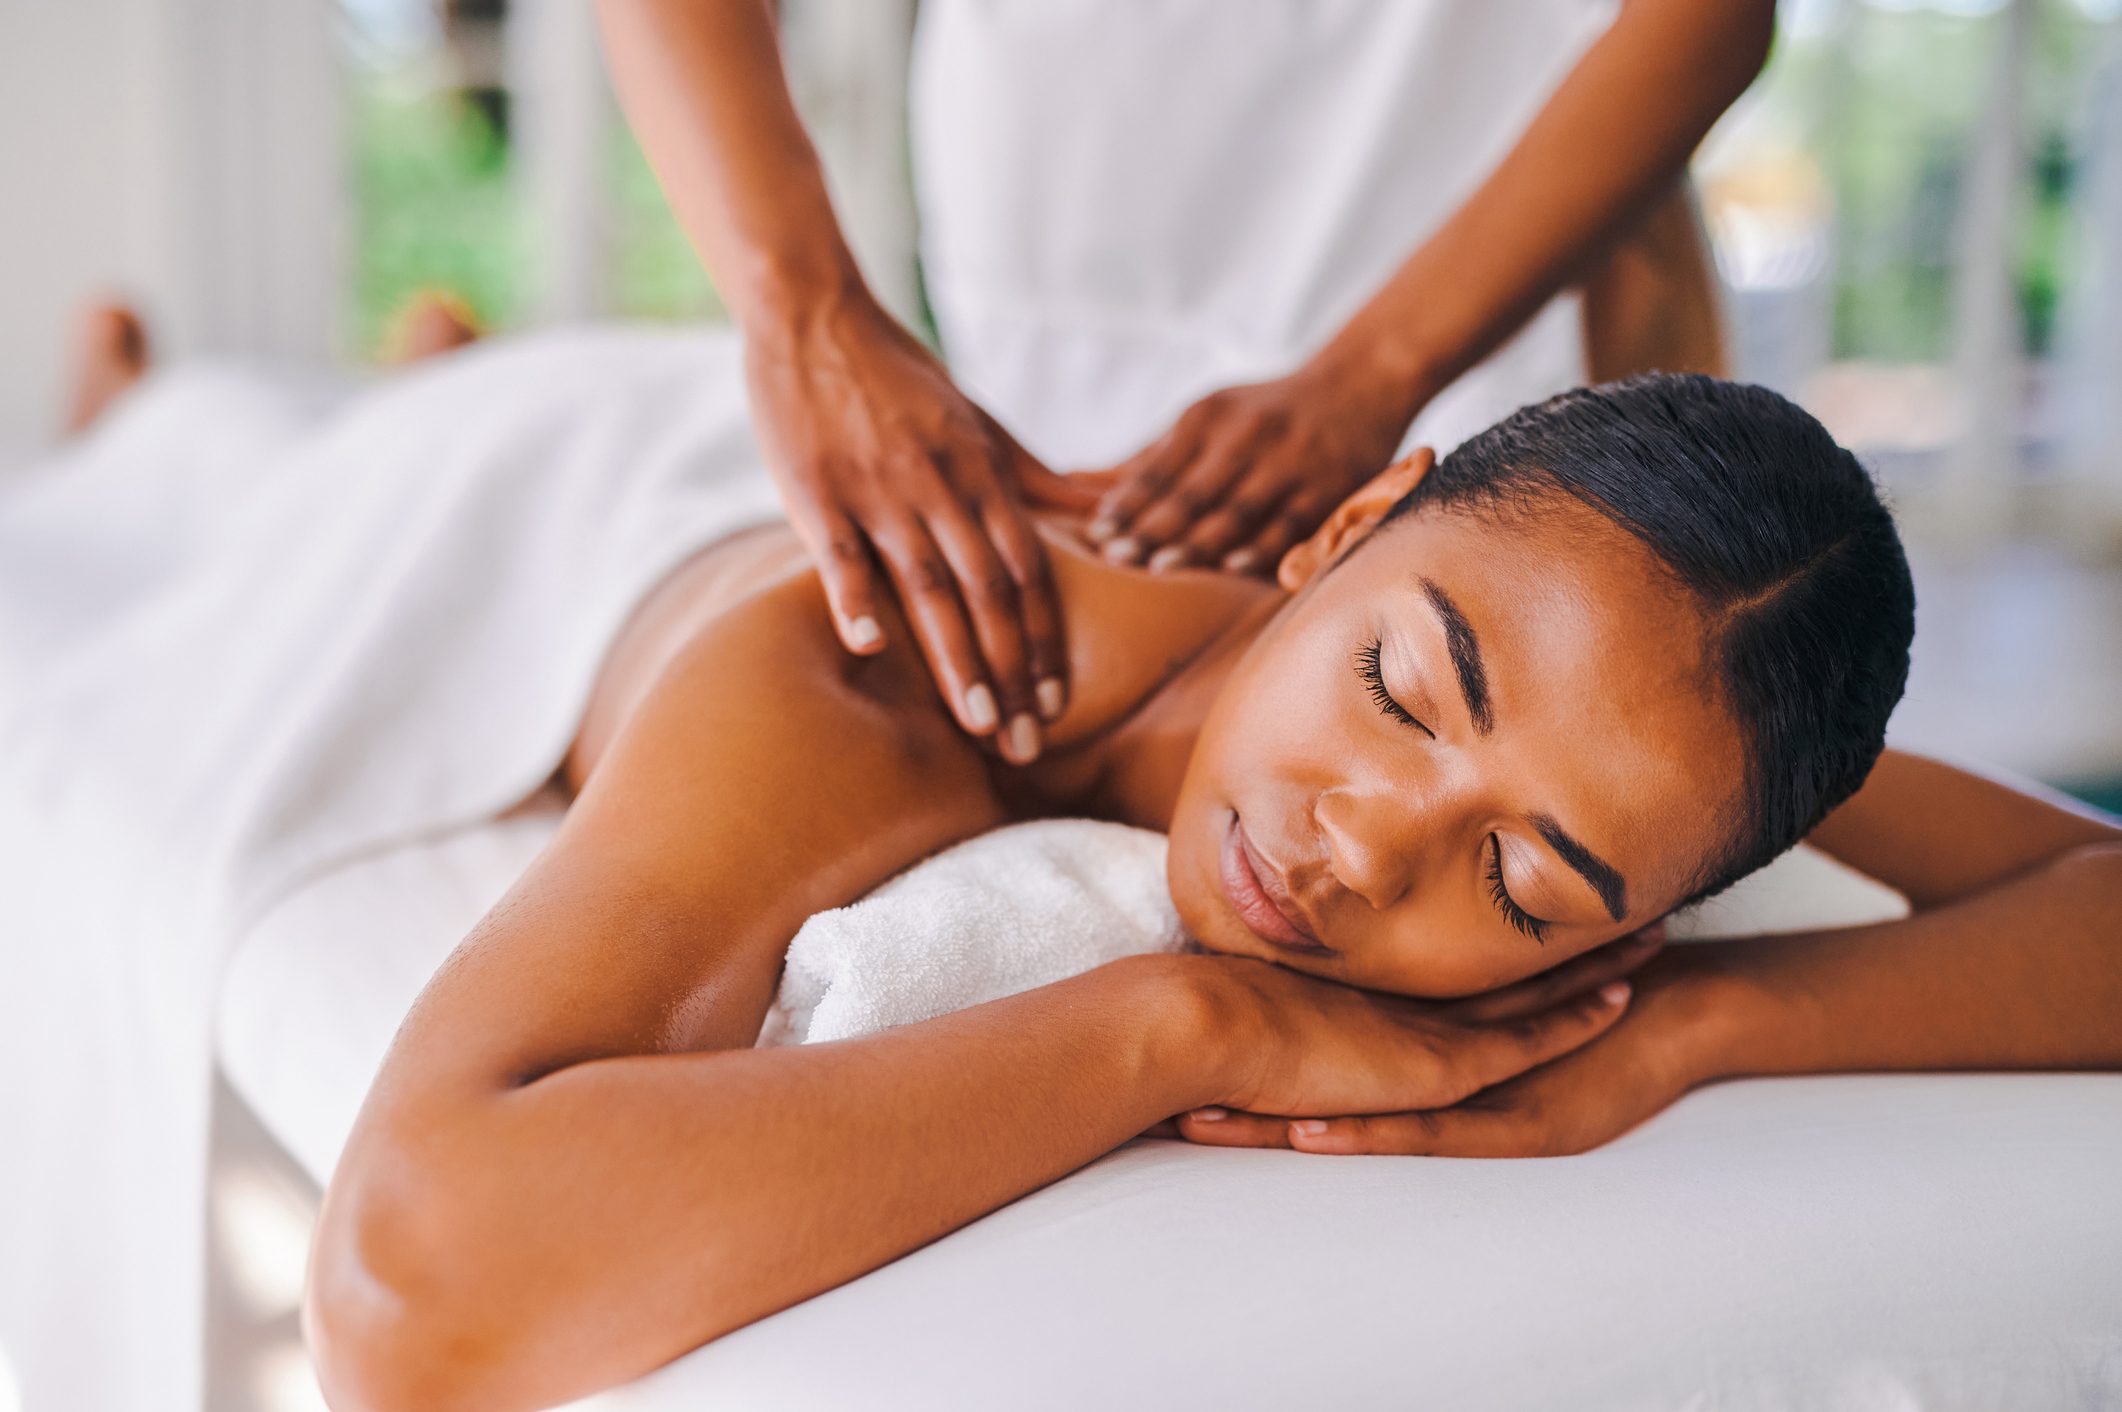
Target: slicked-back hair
(1777,531)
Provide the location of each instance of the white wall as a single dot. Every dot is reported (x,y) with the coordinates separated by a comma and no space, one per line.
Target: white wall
(186,153)
(72,160)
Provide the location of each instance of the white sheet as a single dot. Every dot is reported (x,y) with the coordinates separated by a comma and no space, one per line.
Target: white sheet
(429,574)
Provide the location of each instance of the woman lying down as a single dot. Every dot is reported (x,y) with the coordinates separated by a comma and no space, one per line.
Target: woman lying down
(1428,795)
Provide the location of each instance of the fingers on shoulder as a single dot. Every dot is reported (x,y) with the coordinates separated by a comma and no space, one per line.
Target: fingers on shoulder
(850,576)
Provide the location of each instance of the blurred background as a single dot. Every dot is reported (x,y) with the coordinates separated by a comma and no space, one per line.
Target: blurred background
(1916,214)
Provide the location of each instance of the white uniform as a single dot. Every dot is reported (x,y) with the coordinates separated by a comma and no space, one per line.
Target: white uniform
(1128,203)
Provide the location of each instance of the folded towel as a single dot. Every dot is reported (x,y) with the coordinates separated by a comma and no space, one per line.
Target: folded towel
(1012,909)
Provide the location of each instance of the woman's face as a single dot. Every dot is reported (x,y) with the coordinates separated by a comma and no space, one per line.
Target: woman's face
(1480,746)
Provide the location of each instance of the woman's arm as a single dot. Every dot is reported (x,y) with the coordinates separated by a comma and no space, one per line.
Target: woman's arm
(893,478)
(572,1167)
(2011,959)
(1255,468)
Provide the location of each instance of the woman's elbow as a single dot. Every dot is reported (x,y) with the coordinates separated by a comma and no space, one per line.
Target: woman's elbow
(393,1311)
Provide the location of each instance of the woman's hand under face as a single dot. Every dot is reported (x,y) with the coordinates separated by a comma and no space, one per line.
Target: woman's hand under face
(1314,1046)
(1245,473)
(1626,1072)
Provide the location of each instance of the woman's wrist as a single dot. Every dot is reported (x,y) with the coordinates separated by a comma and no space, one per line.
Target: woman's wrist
(1194,1015)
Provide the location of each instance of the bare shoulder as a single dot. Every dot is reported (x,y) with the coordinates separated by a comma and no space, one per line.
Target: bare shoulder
(763,776)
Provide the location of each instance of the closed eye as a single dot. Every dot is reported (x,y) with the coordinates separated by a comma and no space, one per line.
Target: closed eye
(1373,674)
(1524,921)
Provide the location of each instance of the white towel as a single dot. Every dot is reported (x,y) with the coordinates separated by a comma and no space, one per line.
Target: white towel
(1010,910)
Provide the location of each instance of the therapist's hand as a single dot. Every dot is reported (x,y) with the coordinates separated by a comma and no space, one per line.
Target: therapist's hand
(1665,1045)
(1248,471)
(895,480)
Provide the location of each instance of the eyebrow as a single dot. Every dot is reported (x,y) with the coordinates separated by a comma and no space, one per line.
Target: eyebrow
(1465,651)
(1609,884)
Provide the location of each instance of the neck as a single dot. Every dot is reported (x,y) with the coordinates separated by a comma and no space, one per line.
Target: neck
(1142,759)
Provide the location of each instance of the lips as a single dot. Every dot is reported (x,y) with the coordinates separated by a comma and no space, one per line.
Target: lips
(1259,897)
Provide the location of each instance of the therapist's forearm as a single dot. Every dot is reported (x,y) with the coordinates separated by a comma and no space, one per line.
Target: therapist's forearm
(2026,974)
(702,84)
(1614,135)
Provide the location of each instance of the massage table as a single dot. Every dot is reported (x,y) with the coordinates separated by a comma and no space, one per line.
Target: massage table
(1866,1242)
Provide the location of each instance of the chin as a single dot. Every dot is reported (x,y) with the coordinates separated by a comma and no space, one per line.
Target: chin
(1192,874)
(1197,893)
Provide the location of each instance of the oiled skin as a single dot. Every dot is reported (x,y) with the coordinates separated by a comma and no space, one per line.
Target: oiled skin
(1137,628)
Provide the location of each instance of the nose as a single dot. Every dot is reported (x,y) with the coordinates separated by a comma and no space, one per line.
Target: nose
(1369,842)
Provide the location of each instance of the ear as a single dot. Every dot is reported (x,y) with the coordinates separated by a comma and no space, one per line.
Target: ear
(1352,519)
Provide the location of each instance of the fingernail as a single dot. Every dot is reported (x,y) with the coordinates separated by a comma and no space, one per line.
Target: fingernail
(1124,550)
(980,707)
(1101,530)
(1614,992)
(1240,561)
(1309,1127)
(1021,743)
(1171,556)
(864,632)
(1051,696)
(1209,1115)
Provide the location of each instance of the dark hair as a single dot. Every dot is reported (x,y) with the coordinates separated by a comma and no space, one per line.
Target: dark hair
(1777,530)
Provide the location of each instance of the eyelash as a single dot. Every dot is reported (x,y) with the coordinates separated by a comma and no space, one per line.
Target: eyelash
(1517,916)
(1369,668)
(1373,674)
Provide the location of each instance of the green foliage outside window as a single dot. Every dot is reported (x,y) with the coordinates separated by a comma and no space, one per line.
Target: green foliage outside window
(1898,94)
(433,208)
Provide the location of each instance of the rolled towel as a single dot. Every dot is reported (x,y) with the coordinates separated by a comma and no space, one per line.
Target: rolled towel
(1012,909)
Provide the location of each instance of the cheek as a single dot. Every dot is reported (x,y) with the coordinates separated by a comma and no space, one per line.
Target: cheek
(1443,944)
(1435,962)
(1290,712)
(1442,959)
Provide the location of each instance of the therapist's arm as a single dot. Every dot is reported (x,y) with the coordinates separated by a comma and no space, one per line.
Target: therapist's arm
(1248,471)
(895,480)
(2011,959)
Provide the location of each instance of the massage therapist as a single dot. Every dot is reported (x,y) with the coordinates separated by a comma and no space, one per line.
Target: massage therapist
(1239,251)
